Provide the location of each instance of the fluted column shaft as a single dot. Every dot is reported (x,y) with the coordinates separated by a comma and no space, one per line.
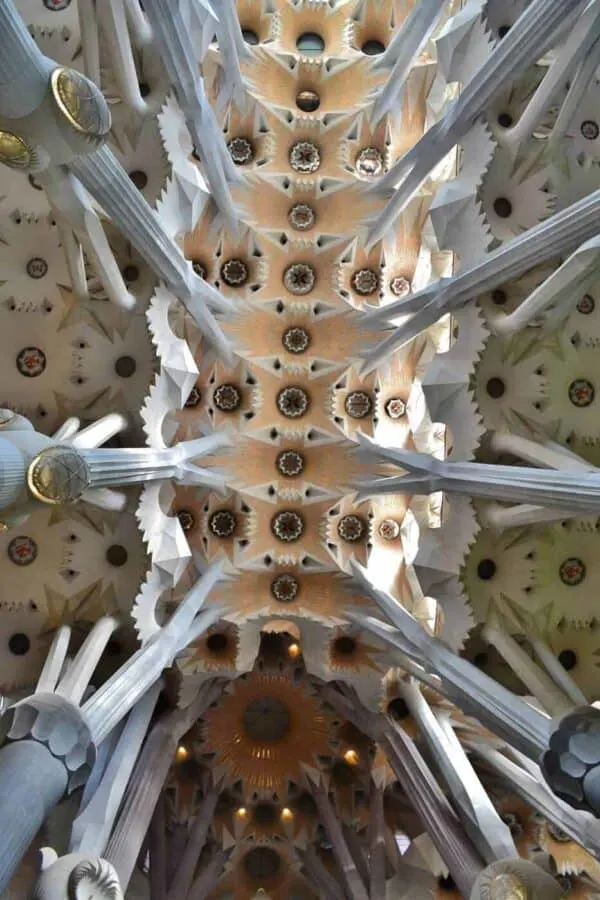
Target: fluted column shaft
(105,178)
(350,876)
(184,875)
(377,856)
(147,782)
(574,493)
(208,878)
(402,51)
(122,691)
(430,660)
(107,466)
(430,804)
(529,784)
(32,781)
(12,473)
(555,235)
(490,836)
(550,695)
(92,827)
(178,56)
(317,874)
(535,32)
(24,70)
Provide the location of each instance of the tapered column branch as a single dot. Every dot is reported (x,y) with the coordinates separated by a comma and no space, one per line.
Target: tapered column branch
(148,779)
(208,878)
(184,876)
(402,51)
(482,823)
(537,29)
(430,804)
(316,872)
(104,177)
(92,827)
(552,237)
(350,875)
(158,851)
(178,55)
(113,700)
(528,783)
(377,855)
(474,692)
(573,492)
(425,795)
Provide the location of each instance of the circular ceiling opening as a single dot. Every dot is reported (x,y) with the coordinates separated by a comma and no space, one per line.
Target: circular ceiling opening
(373,48)
(344,646)
(262,863)
(264,814)
(19,644)
(308,101)
(398,708)
(217,642)
(310,43)
(266,720)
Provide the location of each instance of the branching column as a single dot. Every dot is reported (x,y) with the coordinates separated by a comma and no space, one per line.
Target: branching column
(147,782)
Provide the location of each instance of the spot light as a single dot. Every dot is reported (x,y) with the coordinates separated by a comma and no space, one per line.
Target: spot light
(242,812)
(351,757)
(182,753)
(286,814)
(294,650)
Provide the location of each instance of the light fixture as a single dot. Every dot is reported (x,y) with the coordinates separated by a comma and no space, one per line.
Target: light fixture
(294,650)
(286,814)
(242,812)
(182,753)
(351,757)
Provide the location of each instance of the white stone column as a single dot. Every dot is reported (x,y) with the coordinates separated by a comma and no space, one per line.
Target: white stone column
(52,739)
(184,876)
(318,875)
(32,781)
(553,236)
(121,466)
(77,678)
(104,177)
(402,52)
(489,834)
(472,690)
(353,883)
(24,70)
(536,30)
(541,686)
(12,473)
(570,281)
(93,825)
(574,493)
(179,59)
(525,779)
(113,700)
(431,805)
(47,750)
(233,49)
(377,854)
(148,779)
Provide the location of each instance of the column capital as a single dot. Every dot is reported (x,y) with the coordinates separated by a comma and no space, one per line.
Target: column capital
(571,763)
(59,725)
(76,875)
(515,879)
